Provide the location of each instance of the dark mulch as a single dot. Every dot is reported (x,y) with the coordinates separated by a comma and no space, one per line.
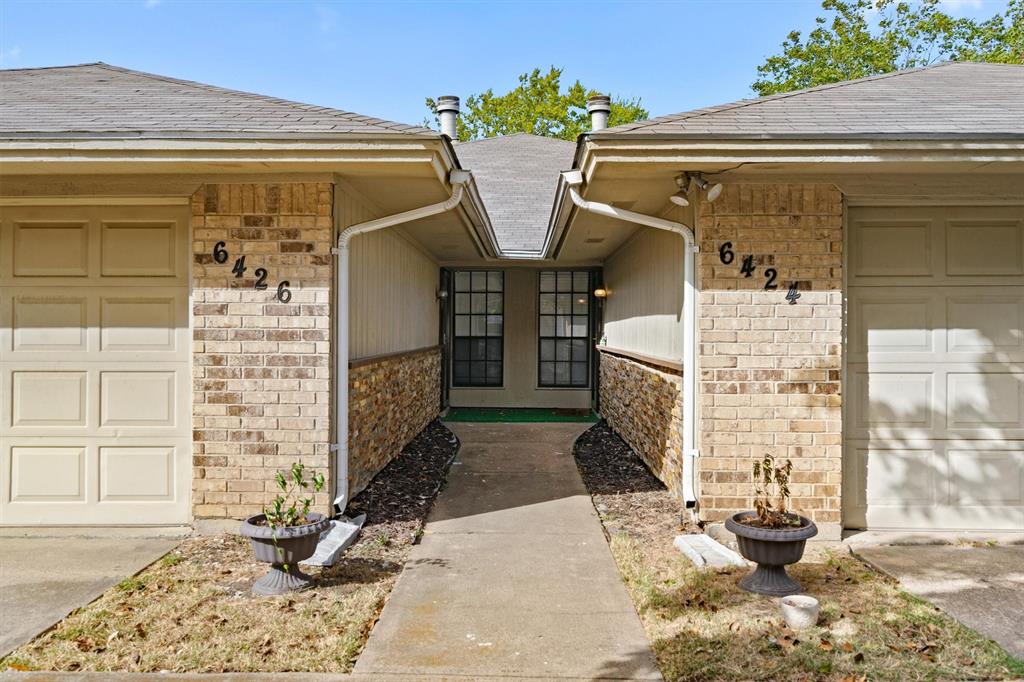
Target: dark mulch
(626,494)
(398,499)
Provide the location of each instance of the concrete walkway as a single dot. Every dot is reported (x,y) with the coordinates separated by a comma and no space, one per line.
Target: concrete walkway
(513,577)
(44,578)
(982,587)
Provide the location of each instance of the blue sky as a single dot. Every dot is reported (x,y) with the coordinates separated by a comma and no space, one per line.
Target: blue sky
(383,59)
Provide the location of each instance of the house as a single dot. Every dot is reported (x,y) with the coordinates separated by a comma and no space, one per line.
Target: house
(201,286)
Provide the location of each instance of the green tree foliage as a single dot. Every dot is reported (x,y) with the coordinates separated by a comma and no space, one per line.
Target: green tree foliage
(537,105)
(868,37)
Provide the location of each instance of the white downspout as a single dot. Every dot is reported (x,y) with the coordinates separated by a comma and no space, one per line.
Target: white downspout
(689,361)
(458,180)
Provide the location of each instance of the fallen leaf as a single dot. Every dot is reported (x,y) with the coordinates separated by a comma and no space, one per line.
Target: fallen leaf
(846,647)
(825,645)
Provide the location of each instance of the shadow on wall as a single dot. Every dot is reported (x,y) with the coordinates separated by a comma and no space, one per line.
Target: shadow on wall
(937,445)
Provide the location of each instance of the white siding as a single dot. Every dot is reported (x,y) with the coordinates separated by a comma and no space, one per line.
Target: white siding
(394,285)
(643,314)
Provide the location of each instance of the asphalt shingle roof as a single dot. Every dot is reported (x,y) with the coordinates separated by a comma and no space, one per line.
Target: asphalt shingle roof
(104,100)
(954,99)
(517,176)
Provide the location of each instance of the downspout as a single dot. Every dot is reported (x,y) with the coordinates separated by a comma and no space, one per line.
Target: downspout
(573,180)
(458,179)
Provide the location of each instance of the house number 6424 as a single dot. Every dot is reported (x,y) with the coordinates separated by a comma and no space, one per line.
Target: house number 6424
(220,255)
(748,268)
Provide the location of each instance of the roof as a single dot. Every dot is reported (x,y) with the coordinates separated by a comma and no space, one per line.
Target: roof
(951,99)
(517,176)
(98,99)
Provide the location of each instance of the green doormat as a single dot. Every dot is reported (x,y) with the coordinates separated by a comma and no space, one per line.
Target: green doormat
(518,414)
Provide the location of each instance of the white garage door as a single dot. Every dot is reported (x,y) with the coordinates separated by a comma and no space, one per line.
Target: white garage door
(934,415)
(94,372)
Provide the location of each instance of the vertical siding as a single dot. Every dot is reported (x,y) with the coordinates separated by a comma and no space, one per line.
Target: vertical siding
(393,292)
(644,311)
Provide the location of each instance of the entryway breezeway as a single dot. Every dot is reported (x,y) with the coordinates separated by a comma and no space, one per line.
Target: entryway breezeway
(513,576)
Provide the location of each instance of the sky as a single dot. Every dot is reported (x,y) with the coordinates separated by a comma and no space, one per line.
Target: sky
(383,58)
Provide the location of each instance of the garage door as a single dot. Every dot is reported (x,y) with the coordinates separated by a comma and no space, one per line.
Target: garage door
(94,373)
(934,414)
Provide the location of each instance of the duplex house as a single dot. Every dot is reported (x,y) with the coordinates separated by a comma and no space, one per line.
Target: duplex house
(201,286)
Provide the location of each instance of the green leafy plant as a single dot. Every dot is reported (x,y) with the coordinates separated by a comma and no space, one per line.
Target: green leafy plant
(771,483)
(289,508)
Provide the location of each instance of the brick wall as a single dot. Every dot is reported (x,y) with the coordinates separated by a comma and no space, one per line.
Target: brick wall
(261,368)
(770,371)
(390,401)
(643,404)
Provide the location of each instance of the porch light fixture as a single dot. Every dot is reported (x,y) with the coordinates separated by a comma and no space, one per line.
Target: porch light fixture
(680,198)
(714,191)
(601,293)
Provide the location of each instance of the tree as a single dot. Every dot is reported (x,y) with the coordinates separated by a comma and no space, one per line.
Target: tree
(539,106)
(869,37)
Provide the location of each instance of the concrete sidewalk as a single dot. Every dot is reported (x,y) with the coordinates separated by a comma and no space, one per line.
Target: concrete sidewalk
(44,578)
(513,577)
(982,587)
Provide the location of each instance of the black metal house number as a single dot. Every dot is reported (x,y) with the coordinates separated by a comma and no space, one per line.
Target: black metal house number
(747,268)
(220,255)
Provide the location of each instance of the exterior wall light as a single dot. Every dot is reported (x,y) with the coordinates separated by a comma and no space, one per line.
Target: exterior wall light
(601,293)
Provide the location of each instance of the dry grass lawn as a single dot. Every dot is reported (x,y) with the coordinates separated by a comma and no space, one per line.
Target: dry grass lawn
(704,627)
(192,612)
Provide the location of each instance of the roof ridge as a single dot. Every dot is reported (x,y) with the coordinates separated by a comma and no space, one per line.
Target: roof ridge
(739,104)
(59,66)
(384,123)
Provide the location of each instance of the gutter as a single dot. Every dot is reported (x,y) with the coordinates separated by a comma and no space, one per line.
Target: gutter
(458,179)
(573,180)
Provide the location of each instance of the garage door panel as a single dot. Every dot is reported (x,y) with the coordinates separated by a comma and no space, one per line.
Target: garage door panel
(46,323)
(934,415)
(885,400)
(138,398)
(979,477)
(48,473)
(49,399)
(887,322)
(893,248)
(136,473)
(51,249)
(138,249)
(984,247)
(987,401)
(139,323)
(985,321)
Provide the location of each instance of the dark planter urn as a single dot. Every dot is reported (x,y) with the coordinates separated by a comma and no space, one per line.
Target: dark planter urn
(771,549)
(292,545)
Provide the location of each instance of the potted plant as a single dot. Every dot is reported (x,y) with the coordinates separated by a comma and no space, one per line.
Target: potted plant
(771,536)
(287,532)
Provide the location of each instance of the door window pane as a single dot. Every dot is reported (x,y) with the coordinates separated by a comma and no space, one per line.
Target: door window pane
(564,328)
(479,328)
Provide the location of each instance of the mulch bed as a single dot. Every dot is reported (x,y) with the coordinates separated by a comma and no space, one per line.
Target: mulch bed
(398,499)
(626,494)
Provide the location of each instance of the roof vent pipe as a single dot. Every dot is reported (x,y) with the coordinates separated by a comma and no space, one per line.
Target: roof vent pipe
(599,107)
(448,113)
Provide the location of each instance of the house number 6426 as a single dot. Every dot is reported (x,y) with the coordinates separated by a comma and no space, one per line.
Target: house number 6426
(220,255)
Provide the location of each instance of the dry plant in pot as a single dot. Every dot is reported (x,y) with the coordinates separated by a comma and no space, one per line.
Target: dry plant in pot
(771,536)
(287,532)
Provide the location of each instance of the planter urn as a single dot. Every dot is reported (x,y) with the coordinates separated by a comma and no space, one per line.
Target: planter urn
(772,549)
(283,549)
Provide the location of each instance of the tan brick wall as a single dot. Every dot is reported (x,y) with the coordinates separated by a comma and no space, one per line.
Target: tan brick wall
(261,369)
(770,371)
(390,401)
(643,404)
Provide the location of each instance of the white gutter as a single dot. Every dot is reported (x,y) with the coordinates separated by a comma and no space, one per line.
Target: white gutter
(458,180)
(573,180)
